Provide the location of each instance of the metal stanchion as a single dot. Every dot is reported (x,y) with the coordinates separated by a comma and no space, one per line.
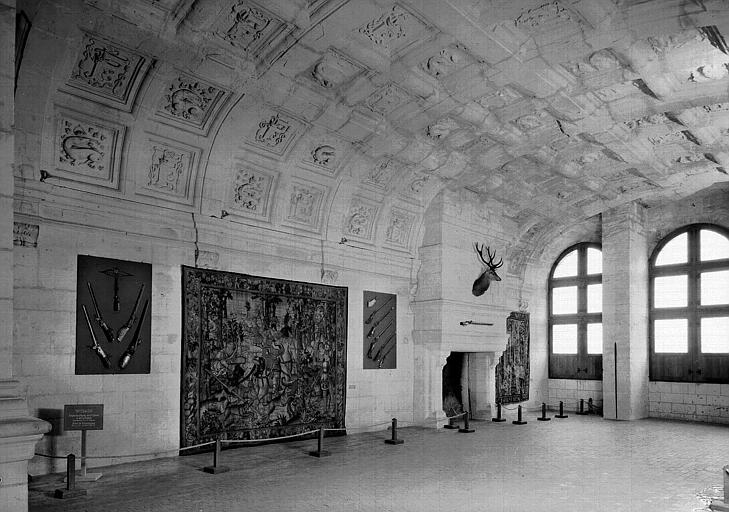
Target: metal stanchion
(519,421)
(70,491)
(466,429)
(498,417)
(723,505)
(561,411)
(582,411)
(543,417)
(320,452)
(394,439)
(451,425)
(215,468)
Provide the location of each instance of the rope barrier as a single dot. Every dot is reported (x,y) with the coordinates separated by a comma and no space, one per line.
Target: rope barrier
(241,441)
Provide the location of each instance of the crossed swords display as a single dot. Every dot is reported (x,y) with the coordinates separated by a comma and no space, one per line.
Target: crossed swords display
(126,357)
(387,346)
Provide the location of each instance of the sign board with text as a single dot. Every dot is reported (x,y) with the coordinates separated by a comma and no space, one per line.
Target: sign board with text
(83,417)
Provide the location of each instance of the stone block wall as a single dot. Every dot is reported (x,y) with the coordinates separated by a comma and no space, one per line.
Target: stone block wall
(570,391)
(689,401)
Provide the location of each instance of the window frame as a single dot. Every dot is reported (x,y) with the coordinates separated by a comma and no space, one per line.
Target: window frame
(582,366)
(693,365)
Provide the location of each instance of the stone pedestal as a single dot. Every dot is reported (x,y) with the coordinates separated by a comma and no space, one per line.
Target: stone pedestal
(19,434)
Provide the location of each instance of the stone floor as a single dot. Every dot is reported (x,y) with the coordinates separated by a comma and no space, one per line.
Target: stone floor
(579,463)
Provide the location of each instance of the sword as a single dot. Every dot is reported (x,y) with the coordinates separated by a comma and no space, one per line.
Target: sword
(96,347)
(372,315)
(372,331)
(124,329)
(377,355)
(129,352)
(372,346)
(99,320)
(382,360)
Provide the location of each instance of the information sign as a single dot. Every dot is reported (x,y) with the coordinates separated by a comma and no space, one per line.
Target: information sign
(83,417)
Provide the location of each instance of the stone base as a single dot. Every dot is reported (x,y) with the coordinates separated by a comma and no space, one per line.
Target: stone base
(64,494)
(214,470)
(719,505)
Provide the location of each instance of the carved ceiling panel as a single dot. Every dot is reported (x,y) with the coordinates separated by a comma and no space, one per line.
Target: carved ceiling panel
(108,72)
(251,193)
(169,171)
(191,103)
(87,149)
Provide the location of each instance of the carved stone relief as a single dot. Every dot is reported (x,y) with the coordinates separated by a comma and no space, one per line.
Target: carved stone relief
(275,132)
(386,28)
(191,102)
(169,172)
(499,98)
(445,61)
(382,173)
(251,192)
(441,128)
(399,227)
(108,72)
(247,27)
(386,99)
(360,219)
(25,235)
(543,16)
(334,69)
(305,204)
(208,259)
(87,149)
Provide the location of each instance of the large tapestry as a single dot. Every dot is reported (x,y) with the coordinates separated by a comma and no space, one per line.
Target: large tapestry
(512,372)
(261,357)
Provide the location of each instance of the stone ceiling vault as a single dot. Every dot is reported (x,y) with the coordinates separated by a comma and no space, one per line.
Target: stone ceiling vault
(344,118)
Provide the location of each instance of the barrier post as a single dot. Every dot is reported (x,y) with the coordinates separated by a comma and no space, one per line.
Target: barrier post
(543,417)
(215,468)
(466,429)
(70,491)
(561,411)
(519,421)
(451,423)
(320,451)
(722,505)
(394,439)
(498,417)
(582,411)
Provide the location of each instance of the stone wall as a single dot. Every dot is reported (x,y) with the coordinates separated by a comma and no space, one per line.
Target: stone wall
(571,391)
(689,401)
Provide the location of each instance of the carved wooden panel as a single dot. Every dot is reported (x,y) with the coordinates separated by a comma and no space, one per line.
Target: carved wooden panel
(87,149)
(191,103)
(512,371)
(108,72)
(169,170)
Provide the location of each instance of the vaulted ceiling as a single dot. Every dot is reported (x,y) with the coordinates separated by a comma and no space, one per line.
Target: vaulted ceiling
(346,117)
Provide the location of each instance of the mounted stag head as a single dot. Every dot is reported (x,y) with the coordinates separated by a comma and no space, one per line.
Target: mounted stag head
(482,283)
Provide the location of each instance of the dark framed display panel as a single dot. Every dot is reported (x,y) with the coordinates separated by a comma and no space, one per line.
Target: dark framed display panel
(261,357)
(122,332)
(379,320)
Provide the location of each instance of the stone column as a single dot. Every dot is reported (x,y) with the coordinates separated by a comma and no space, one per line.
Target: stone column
(18,431)
(625,313)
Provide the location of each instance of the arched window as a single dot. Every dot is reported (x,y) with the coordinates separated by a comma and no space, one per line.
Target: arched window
(689,306)
(575,314)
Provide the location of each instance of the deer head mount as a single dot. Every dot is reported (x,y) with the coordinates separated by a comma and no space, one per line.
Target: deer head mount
(482,283)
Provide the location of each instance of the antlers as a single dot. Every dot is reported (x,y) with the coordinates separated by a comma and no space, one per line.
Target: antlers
(490,263)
